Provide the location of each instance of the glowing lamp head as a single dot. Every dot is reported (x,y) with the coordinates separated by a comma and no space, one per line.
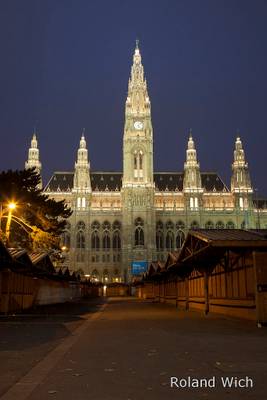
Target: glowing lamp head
(12,206)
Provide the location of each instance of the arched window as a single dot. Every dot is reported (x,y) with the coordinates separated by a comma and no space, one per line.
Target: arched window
(230,225)
(139,238)
(95,241)
(169,225)
(95,226)
(159,236)
(106,235)
(80,240)
(138,164)
(106,240)
(116,241)
(170,241)
(116,225)
(135,161)
(80,226)
(219,225)
(106,226)
(141,161)
(194,225)
(159,240)
(159,225)
(180,225)
(180,236)
(209,225)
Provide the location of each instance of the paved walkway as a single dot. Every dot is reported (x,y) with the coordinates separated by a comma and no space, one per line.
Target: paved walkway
(131,348)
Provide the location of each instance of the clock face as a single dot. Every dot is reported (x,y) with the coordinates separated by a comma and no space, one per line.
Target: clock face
(138,125)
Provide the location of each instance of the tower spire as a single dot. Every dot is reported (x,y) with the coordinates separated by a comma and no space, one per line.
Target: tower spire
(240,172)
(82,181)
(192,178)
(33,157)
(137,102)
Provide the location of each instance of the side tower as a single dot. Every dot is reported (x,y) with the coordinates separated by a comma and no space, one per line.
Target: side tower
(192,186)
(81,201)
(241,187)
(138,180)
(81,181)
(33,158)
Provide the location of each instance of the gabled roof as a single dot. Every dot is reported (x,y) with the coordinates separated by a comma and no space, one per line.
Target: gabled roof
(206,246)
(22,259)
(42,261)
(112,181)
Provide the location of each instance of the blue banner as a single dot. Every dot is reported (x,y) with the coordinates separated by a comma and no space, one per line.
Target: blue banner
(139,267)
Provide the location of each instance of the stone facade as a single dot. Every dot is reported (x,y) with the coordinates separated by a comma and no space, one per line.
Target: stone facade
(140,215)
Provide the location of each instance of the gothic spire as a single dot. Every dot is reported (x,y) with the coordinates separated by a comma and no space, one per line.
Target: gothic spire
(192,178)
(240,172)
(33,157)
(82,168)
(137,102)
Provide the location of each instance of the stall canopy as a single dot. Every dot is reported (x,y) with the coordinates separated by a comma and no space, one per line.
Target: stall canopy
(206,246)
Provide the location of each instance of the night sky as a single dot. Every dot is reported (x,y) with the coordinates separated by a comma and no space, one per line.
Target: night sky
(65,66)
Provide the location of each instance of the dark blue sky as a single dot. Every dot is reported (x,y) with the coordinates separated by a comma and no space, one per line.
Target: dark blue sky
(67,63)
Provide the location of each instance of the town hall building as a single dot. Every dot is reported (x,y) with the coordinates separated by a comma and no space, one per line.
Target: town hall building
(122,221)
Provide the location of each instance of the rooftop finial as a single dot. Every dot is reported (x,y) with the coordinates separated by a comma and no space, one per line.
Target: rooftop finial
(190,133)
(137,44)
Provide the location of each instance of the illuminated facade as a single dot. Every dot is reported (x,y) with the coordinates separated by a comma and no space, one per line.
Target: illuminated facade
(140,215)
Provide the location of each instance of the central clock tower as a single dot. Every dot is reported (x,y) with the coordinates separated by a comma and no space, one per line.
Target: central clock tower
(138,180)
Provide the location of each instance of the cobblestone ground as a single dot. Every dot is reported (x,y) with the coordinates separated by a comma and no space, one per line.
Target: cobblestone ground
(129,350)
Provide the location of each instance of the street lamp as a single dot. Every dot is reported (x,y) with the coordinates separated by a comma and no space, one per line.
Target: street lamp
(11,206)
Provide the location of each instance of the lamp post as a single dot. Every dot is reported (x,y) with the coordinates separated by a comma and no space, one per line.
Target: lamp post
(10,207)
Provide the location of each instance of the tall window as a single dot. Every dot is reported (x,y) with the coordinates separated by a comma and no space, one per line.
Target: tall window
(169,236)
(138,164)
(80,241)
(106,236)
(159,236)
(170,241)
(116,241)
(180,236)
(159,241)
(139,238)
(95,240)
(106,240)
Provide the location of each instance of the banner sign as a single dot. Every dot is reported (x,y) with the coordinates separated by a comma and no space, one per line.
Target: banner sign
(139,267)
